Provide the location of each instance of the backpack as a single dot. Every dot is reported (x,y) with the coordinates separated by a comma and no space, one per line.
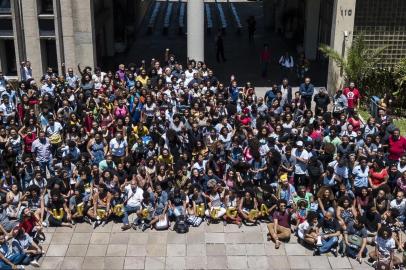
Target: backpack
(181,225)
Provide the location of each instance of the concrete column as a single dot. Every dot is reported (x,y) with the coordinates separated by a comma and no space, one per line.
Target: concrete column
(109,28)
(195,30)
(311,28)
(3,63)
(31,35)
(18,34)
(68,34)
(342,30)
(84,43)
(60,56)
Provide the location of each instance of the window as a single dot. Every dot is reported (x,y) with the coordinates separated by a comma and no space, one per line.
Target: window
(46,7)
(46,27)
(6,28)
(5,7)
(49,55)
(8,57)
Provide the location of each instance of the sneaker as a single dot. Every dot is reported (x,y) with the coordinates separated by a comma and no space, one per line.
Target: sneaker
(96,224)
(103,223)
(334,252)
(134,226)
(224,223)
(87,220)
(44,224)
(73,222)
(145,227)
(125,227)
(20,267)
(316,252)
(34,263)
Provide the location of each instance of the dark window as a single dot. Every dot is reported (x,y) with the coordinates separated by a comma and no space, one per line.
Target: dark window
(46,7)
(5,7)
(46,27)
(6,28)
(49,55)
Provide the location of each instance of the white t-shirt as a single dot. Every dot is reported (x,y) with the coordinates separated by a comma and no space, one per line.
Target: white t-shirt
(118,148)
(400,206)
(136,198)
(385,246)
(300,167)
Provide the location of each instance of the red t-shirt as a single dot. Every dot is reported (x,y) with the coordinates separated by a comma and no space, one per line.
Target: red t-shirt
(265,56)
(396,148)
(352,97)
(377,177)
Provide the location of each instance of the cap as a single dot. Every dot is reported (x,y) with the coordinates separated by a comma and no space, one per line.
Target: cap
(283,178)
(299,143)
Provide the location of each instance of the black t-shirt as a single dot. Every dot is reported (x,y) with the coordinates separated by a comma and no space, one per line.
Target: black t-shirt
(177,199)
(329,226)
(56,204)
(371,221)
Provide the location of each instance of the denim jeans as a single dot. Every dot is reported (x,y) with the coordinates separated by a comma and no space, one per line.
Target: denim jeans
(328,244)
(46,164)
(175,212)
(127,211)
(15,258)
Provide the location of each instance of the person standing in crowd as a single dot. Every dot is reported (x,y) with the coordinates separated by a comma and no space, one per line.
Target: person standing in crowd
(353,97)
(220,48)
(286,62)
(306,90)
(252,27)
(265,58)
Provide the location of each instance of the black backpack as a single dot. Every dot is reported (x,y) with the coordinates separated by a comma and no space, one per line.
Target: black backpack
(181,225)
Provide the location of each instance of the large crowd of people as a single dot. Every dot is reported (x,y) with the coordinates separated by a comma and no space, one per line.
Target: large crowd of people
(153,144)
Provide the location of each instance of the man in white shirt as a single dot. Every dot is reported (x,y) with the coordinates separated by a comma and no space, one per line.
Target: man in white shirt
(132,204)
(48,88)
(302,157)
(399,203)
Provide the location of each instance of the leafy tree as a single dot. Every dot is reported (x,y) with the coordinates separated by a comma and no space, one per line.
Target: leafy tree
(360,61)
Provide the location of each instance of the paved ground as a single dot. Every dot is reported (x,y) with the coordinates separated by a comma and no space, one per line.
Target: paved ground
(205,247)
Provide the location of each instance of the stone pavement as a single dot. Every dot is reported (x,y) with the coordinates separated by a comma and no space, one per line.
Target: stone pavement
(205,247)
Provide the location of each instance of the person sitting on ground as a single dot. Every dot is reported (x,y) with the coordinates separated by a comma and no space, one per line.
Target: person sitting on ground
(384,250)
(308,231)
(24,244)
(9,259)
(100,211)
(280,230)
(355,239)
(59,212)
(248,204)
(329,231)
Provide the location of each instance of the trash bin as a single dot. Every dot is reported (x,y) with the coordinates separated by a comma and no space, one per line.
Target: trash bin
(374,105)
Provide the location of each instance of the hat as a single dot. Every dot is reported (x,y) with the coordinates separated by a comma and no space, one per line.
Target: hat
(299,143)
(283,178)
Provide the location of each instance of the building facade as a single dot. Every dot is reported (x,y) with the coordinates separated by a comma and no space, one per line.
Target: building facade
(336,22)
(64,33)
